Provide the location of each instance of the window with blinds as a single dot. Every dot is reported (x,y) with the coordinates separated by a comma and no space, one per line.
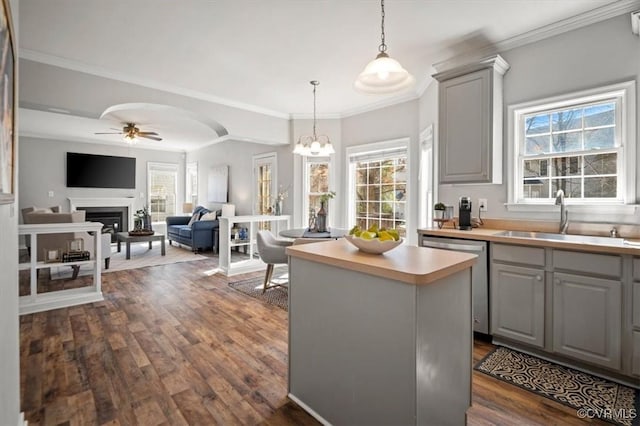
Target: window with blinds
(162,179)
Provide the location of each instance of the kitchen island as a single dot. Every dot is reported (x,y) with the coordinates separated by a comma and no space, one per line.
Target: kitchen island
(380,339)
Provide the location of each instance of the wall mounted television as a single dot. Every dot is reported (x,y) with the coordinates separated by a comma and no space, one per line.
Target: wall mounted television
(100,171)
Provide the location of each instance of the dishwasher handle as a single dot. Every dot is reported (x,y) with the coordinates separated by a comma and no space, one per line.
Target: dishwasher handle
(450,246)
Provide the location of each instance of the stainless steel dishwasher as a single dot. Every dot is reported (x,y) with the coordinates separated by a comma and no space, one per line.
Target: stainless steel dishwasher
(479,274)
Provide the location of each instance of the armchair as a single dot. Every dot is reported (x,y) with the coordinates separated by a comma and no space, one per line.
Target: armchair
(272,251)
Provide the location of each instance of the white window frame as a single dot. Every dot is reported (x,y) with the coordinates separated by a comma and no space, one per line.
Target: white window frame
(170,167)
(350,171)
(306,182)
(427,177)
(624,93)
(258,160)
(191,170)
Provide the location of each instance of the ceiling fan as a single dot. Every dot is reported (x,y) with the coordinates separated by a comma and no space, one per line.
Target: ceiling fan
(131,132)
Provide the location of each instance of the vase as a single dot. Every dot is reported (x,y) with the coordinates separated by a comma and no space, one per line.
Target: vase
(278,208)
(321,217)
(147,222)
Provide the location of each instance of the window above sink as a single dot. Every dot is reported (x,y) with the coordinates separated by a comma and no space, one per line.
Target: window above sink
(583,143)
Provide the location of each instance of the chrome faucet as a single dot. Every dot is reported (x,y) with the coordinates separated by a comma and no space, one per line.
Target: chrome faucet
(564,214)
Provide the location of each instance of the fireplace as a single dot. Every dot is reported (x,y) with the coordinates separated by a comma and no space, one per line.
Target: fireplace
(126,205)
(114,219)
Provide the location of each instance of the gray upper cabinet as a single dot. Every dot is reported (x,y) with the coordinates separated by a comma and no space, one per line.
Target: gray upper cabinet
(470,122)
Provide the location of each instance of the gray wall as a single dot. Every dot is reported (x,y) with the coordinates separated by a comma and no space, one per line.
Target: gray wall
(239,157)
(43,169)
(394,122)
(593,56)
(9,323)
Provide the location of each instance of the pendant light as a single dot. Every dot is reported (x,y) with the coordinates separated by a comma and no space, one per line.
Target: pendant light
(314,145)
(383,74)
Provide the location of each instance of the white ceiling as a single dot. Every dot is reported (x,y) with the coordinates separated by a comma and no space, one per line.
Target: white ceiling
(261,54)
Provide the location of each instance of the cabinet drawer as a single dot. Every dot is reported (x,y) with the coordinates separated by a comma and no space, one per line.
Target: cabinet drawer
(635,363)
(517,254)
(635,305)
(636,268)
(588,263)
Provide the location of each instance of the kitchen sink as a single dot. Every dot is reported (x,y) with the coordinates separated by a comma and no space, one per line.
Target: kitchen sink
(584,239)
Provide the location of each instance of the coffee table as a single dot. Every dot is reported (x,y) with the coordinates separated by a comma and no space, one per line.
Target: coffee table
(124,237)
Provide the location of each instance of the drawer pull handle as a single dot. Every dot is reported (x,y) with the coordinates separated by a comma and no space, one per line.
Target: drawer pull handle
(538,278)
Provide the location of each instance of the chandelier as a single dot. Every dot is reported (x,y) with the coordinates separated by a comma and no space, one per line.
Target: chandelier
(383,74)
(314,145)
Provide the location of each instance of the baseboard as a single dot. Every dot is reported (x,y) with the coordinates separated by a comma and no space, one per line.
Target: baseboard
(309,410)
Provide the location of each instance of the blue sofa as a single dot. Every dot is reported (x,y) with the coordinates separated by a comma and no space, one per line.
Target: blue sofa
(201,235)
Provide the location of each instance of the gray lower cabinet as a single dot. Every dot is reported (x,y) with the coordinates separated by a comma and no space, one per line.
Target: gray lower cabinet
(517,303)
(635,363)
(587,316)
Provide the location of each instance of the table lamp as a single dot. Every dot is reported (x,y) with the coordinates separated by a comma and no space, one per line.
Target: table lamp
(228,210)
(187,207)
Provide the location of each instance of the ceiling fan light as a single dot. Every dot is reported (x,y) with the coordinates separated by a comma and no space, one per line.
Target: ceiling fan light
(129,138)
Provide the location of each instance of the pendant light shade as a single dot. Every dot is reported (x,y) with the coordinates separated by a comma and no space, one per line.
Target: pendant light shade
(314,145)
(383,74)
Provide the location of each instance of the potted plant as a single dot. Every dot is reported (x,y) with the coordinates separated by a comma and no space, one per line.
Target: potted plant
(439,210)
(321,218)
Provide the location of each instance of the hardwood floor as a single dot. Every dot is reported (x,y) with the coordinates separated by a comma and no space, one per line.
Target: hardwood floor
(173,344)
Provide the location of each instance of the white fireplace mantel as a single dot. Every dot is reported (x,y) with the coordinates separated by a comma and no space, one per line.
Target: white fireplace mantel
(128,202)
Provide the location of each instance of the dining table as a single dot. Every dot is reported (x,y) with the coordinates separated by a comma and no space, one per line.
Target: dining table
(296,233)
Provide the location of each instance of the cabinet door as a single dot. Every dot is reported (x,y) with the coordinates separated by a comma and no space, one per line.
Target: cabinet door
(465,116)
(517,303)
(635,363)
(587,318)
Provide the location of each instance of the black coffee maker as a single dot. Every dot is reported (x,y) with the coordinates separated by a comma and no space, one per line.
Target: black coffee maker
(464,213)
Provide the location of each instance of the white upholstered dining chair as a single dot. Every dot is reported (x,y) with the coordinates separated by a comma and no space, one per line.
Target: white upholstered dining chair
(272,252)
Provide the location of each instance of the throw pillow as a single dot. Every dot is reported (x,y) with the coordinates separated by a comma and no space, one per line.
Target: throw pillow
(194,218)
(209,216)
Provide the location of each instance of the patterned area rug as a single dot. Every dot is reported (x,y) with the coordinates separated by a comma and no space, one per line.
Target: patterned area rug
(277,296)
(591,396)
(141,257)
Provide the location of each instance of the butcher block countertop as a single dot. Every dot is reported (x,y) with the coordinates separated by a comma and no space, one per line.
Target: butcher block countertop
(608,245)
(405,263)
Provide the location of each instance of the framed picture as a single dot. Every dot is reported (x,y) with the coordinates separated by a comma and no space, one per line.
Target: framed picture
(7,99)
(218,184)
(75,245)
(52,255)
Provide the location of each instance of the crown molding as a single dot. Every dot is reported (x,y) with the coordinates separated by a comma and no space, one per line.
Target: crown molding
(309,116)
(235,138)
(49,137)
(560,27)
(57,61)
(410,96)
(635,22)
